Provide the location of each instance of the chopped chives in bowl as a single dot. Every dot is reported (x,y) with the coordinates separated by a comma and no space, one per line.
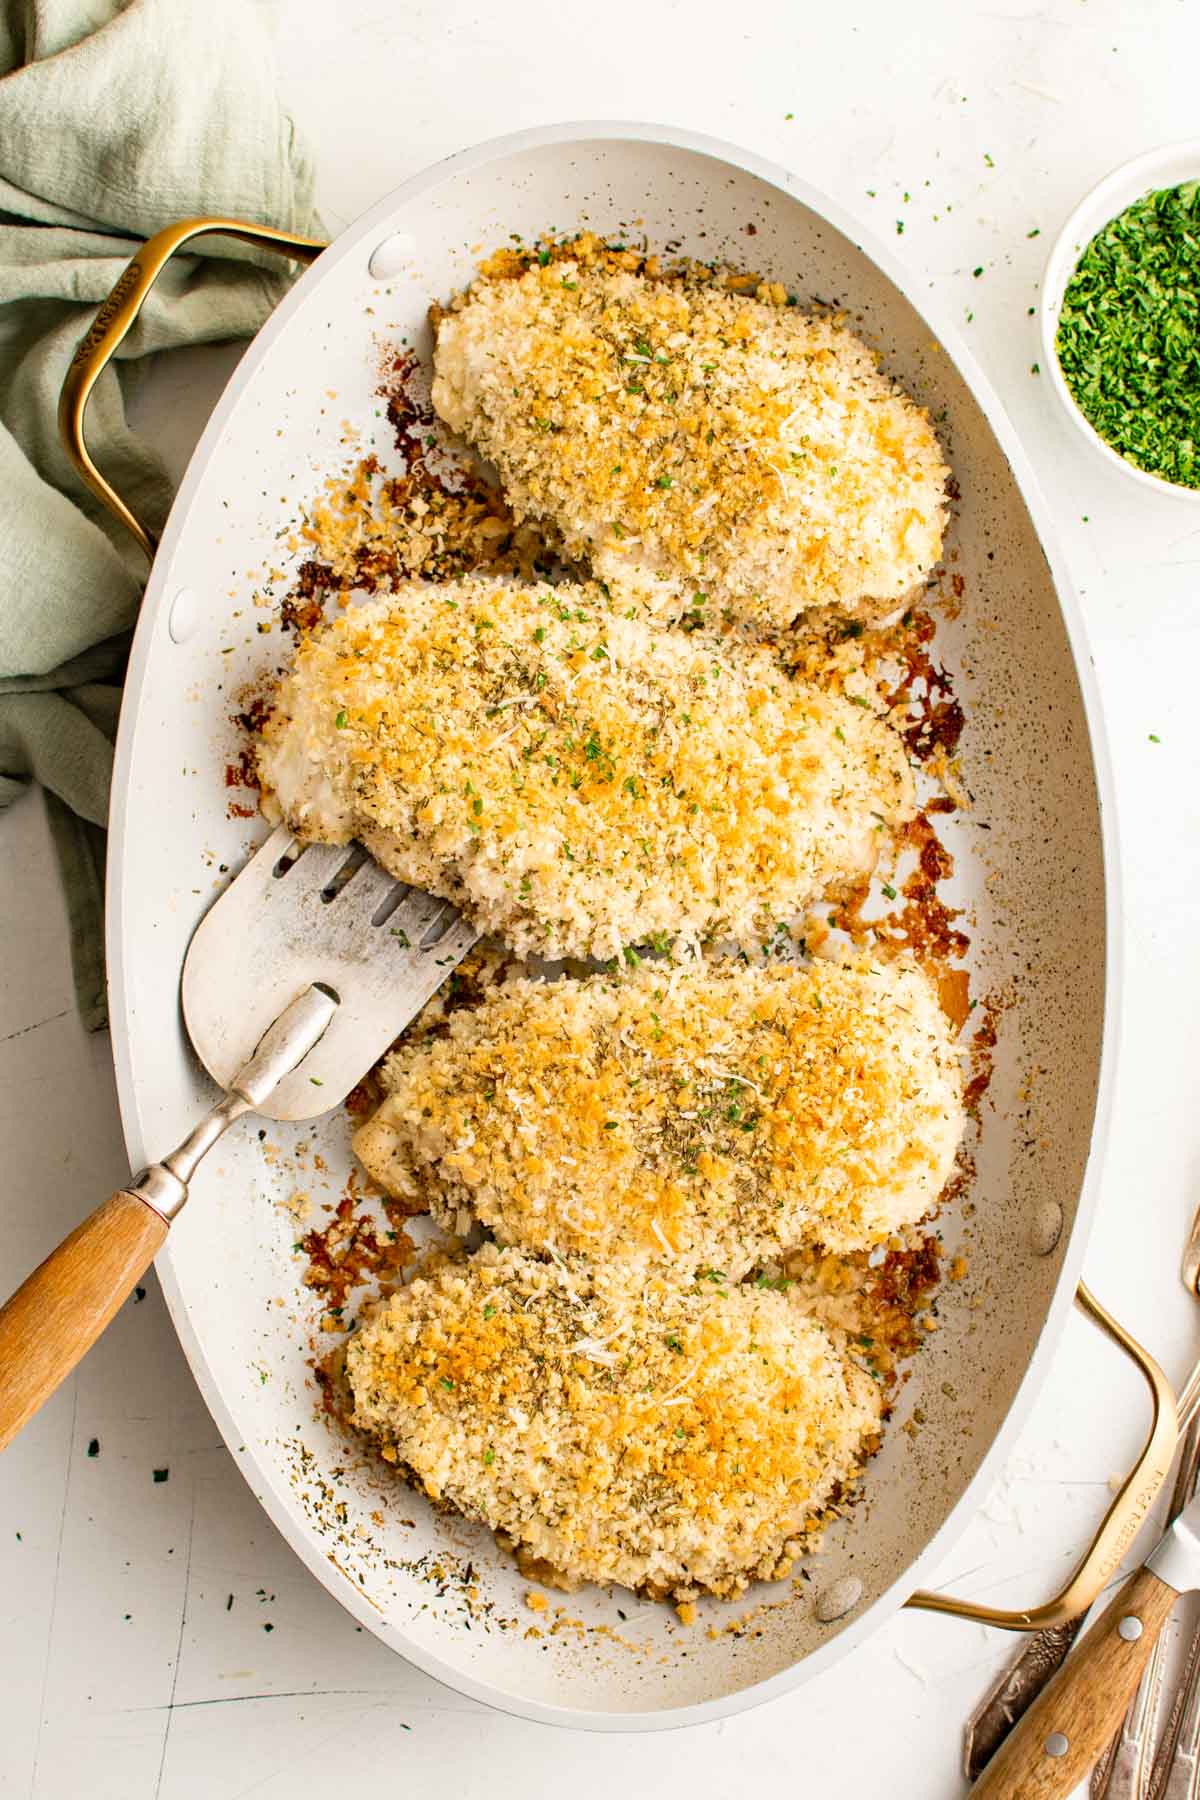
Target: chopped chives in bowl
(1128,338)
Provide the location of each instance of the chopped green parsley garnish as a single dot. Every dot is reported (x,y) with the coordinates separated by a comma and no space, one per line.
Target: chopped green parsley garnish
(1128,331)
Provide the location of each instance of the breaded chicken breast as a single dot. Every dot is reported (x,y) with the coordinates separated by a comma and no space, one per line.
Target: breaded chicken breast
(749,454)
(576,779)
(614,1423)
(708,1116)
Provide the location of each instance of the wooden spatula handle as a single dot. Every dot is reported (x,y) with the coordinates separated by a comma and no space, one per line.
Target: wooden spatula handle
(1072,1720)
(59,1311)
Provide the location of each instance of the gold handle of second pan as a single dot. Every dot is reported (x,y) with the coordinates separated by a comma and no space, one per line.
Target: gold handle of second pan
(1121,1522)
(116,317)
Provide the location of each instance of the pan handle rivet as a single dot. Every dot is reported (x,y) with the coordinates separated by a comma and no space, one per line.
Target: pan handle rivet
(391,256)
(1130,1629)
(1057,1744)
(184,615)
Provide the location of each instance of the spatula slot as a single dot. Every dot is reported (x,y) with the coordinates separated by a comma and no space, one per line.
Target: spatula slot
(265,939)
(391,900)
(442,922)
(290,857)
(356,856)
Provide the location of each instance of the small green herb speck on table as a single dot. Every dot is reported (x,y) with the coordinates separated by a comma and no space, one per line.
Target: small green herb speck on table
(1128,337)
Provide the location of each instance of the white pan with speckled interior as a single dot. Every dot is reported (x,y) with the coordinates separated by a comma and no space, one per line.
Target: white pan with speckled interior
(1041,888)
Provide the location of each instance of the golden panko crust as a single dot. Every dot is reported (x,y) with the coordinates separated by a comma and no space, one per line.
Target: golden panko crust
(703,1115)
(615,1424)
(750,454)
(576,778)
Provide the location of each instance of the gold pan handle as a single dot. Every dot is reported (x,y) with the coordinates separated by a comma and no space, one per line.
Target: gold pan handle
(115,318)
(1122,1521)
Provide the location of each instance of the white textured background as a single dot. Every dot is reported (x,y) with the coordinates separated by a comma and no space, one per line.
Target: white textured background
(124,1672)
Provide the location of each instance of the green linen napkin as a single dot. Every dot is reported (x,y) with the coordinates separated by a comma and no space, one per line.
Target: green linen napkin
(115,120)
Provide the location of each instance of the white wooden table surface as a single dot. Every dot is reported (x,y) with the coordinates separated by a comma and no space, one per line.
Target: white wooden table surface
(156,1637)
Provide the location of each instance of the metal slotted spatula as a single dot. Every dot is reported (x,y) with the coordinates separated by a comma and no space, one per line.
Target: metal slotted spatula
(295,983)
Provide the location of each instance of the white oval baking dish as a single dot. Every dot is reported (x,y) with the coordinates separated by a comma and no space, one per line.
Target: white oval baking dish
(1034,867)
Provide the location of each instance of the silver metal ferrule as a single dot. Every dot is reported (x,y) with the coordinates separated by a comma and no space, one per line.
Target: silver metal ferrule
(162,1191)
(164,1186)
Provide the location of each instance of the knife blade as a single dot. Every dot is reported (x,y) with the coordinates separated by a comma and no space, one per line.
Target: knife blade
(1068,1726)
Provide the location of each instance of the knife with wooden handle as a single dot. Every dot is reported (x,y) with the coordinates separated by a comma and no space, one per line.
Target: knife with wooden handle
(1072,1721)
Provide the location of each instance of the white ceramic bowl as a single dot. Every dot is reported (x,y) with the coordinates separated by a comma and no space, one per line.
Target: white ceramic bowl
(1165,167)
